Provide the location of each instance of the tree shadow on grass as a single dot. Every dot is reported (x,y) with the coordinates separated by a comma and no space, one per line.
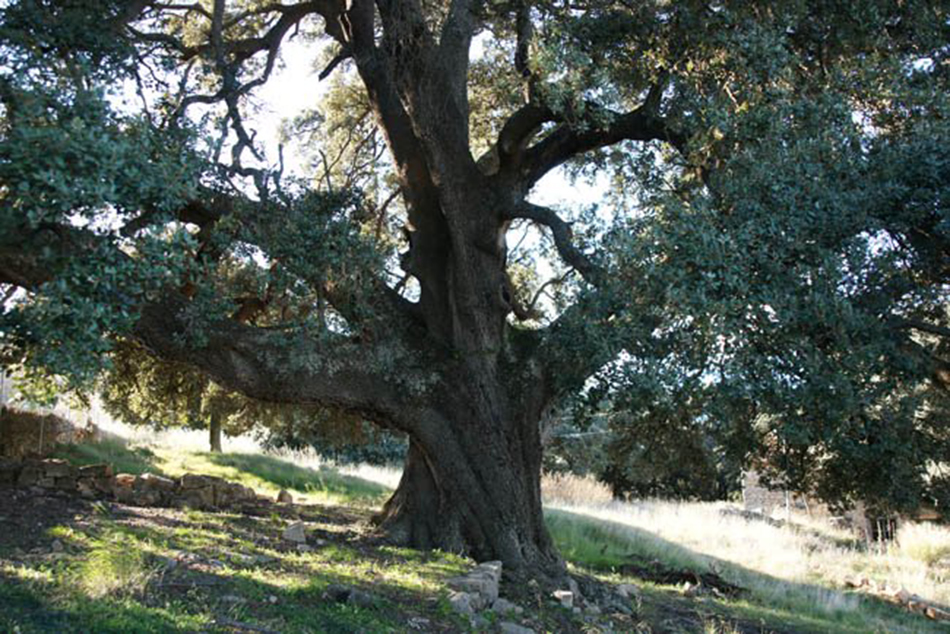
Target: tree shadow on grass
(287,475)
(776,602)
(211,578)
(29,606)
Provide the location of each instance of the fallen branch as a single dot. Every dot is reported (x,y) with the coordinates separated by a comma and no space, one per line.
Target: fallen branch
(656,572)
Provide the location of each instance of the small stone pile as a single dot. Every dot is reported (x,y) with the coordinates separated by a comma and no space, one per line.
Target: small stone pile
(478,590)
(98,481)
(899,595)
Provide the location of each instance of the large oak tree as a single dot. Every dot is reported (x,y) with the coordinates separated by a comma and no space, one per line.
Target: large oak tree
(773,228)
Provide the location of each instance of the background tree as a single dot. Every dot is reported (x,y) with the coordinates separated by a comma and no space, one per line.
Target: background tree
(140,389)
(774,236)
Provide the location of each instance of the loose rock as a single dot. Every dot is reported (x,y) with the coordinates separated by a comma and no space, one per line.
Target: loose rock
(461,602)
(295,532)
(503,606)
(284,497)
(564,597)
(481,583)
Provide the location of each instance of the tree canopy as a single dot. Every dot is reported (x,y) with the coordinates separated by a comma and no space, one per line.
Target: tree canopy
(769,258)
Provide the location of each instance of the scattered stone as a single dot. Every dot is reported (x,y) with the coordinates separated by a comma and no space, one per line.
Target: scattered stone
(284,497)
(564,597)
(346,594)
(232,598)
(295,532)
(461,602)
(304,548)
(503,606)
(481,584)
(593,609)
(231,494)
(507,627)
(57,546)
(478,622)
(419,623)
(691,589)
(95,471)
(628,591)
(573,587)
(272,599)
(576,610)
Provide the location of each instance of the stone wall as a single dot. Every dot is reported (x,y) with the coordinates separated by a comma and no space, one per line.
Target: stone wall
(98,481)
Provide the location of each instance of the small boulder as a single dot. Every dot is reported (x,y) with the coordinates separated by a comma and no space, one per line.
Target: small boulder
(95,471)
(351,596)
(155,482)
(295,532)
(229,494)
(481,583)
(504,606)
(57,546)
(122,487)
(58,469)
(627,590)
(462,603)
(191,481)
(564,597)
(284,497)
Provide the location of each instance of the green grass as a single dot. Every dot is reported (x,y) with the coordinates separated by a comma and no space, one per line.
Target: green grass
(266,474)
(122,457)
(604,547)
(113,576)
(281,474)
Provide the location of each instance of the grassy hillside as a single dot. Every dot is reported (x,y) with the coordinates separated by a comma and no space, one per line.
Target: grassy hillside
(68,565)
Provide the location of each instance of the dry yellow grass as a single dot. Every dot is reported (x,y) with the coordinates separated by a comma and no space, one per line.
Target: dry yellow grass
(807,557)
(565,488)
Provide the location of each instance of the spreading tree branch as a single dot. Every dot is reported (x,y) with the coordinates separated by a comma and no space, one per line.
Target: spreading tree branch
(563,240)
(601,129)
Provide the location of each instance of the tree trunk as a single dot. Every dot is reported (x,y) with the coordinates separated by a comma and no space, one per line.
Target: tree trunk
(214,428)
(473,487)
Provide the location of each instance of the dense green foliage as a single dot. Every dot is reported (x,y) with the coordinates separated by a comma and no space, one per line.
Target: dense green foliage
(764,282)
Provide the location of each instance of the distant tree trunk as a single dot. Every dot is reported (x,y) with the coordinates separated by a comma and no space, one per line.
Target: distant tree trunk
(215,433)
